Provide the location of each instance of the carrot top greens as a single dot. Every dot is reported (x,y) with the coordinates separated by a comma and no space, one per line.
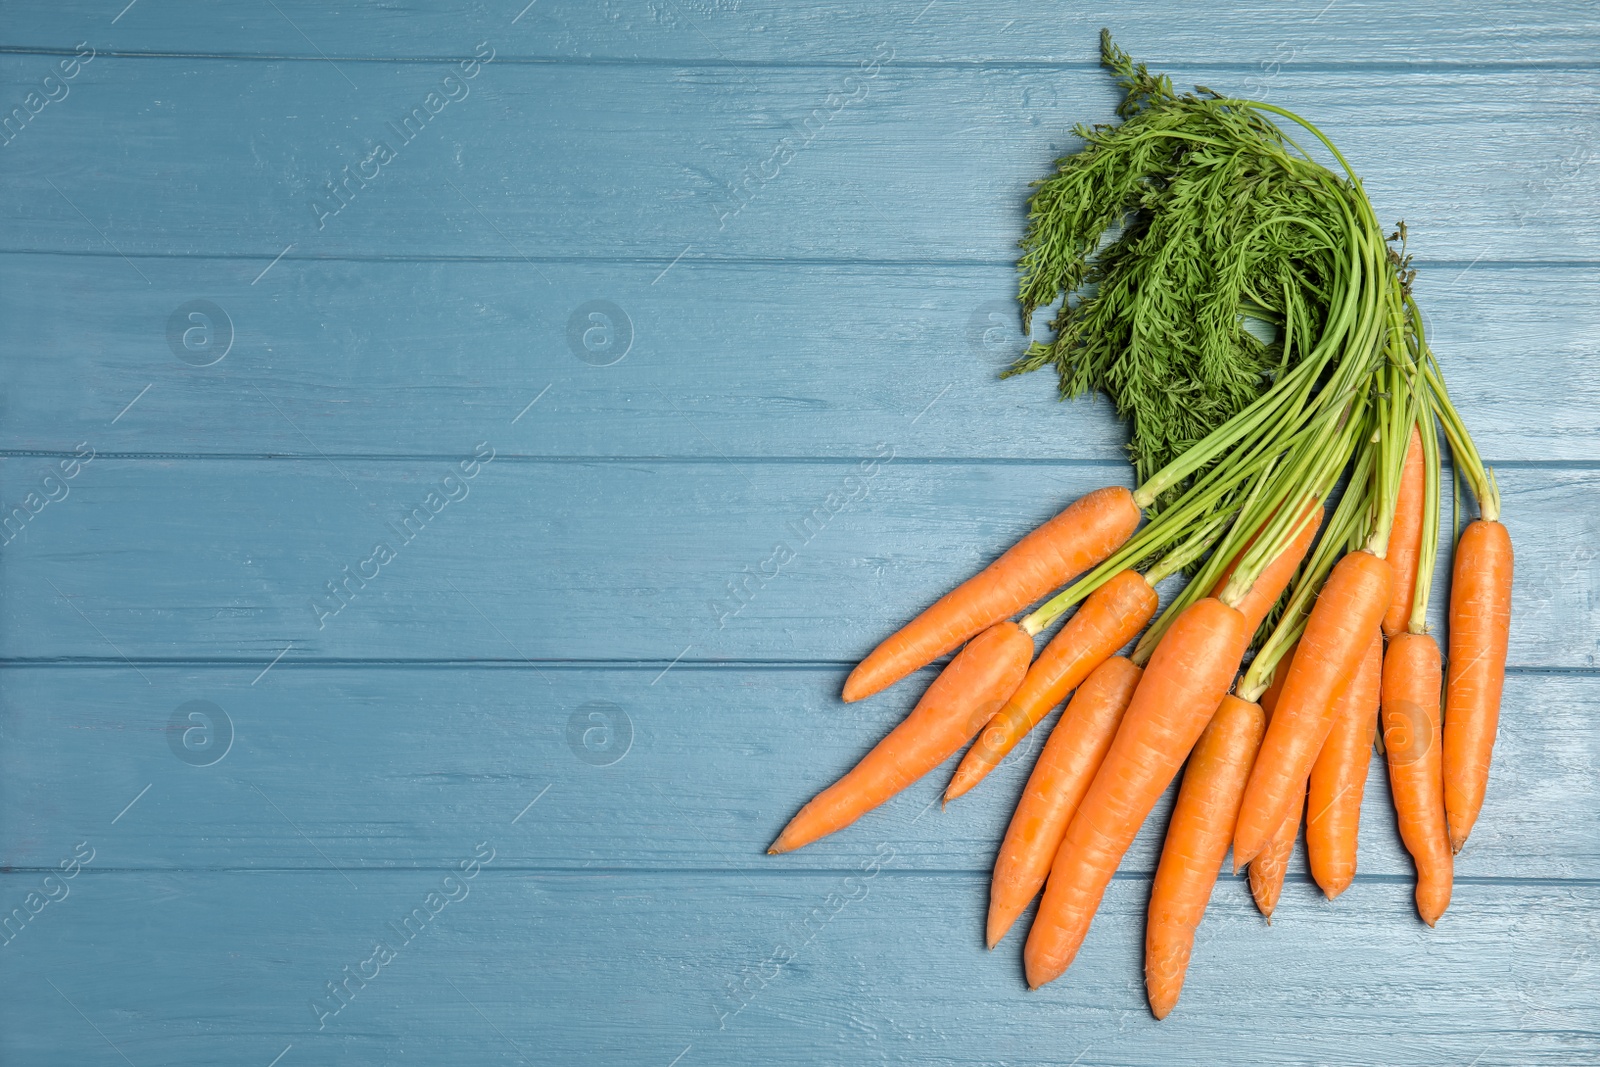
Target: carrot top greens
(1164,238)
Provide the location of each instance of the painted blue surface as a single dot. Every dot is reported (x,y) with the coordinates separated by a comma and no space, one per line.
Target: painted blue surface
(546,711)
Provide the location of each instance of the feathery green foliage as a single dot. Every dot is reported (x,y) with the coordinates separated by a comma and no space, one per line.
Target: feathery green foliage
(1202,217)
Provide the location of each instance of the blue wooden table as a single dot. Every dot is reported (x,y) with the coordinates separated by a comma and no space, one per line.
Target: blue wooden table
(403,408)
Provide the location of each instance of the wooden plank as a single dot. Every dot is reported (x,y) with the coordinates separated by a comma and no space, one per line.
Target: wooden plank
(1256,34)
(627,560)
(716,359)
(208,967)
(645,162)
(368,768)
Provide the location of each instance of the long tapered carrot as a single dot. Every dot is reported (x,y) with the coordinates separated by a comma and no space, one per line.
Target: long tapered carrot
(1412,674)
(1109,619)
(1337,633)
(1405,538)
(964,697)
(1339,778)
(1059,780)
(1480,627)
(1196,842)
(1271,864)
(1086,532)
(1269,867)
(1188,674)
(1274,579)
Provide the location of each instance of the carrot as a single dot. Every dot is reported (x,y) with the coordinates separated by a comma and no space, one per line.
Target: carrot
(1480,626)
(1411,737)
(1339,777)
(1268,869)
(1085,533)
(1271,864)
(1109,619)
(1337,632)
(1274,579)
(1405,537)
(964,696)
(1197,840)
(1188,675)
(1059,780)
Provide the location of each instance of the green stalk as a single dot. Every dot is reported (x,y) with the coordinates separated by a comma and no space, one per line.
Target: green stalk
(1343,528)
(1198,544)
(1418,622)
(1320,454)
(1465,453)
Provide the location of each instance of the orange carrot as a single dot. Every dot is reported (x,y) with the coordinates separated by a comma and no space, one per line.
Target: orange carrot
(1480,627)
(1088,531)
(1412,675)
(1197,840)
(1339,777)
(966,694)
(1268,869)
(1405,538)
(1271,864)
(1337,632)
(1187,677)
(1274,578)
(1060,779)
(1109,619)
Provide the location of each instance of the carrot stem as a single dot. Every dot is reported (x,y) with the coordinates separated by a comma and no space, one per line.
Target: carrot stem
(1429,551)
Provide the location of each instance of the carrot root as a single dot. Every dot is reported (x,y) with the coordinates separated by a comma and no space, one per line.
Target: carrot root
(1339,778)
(1187,677)
(1196,842)
(1412,673)
(1271,865)
(966,694)
(1109,619)
(1059,780)
(1086,532)
(1405,537)
(1480,628)
(1337,633)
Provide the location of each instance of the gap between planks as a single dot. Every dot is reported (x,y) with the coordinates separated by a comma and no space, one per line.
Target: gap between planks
(1392,66)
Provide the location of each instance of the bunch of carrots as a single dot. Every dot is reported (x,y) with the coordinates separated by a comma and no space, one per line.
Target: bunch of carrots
(1308,522)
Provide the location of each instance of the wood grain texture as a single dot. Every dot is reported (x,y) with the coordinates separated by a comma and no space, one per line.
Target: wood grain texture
(629,968)
(556,665)
(595,560)
(1256,34)
(734,359)
(642,162)
(408,760)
